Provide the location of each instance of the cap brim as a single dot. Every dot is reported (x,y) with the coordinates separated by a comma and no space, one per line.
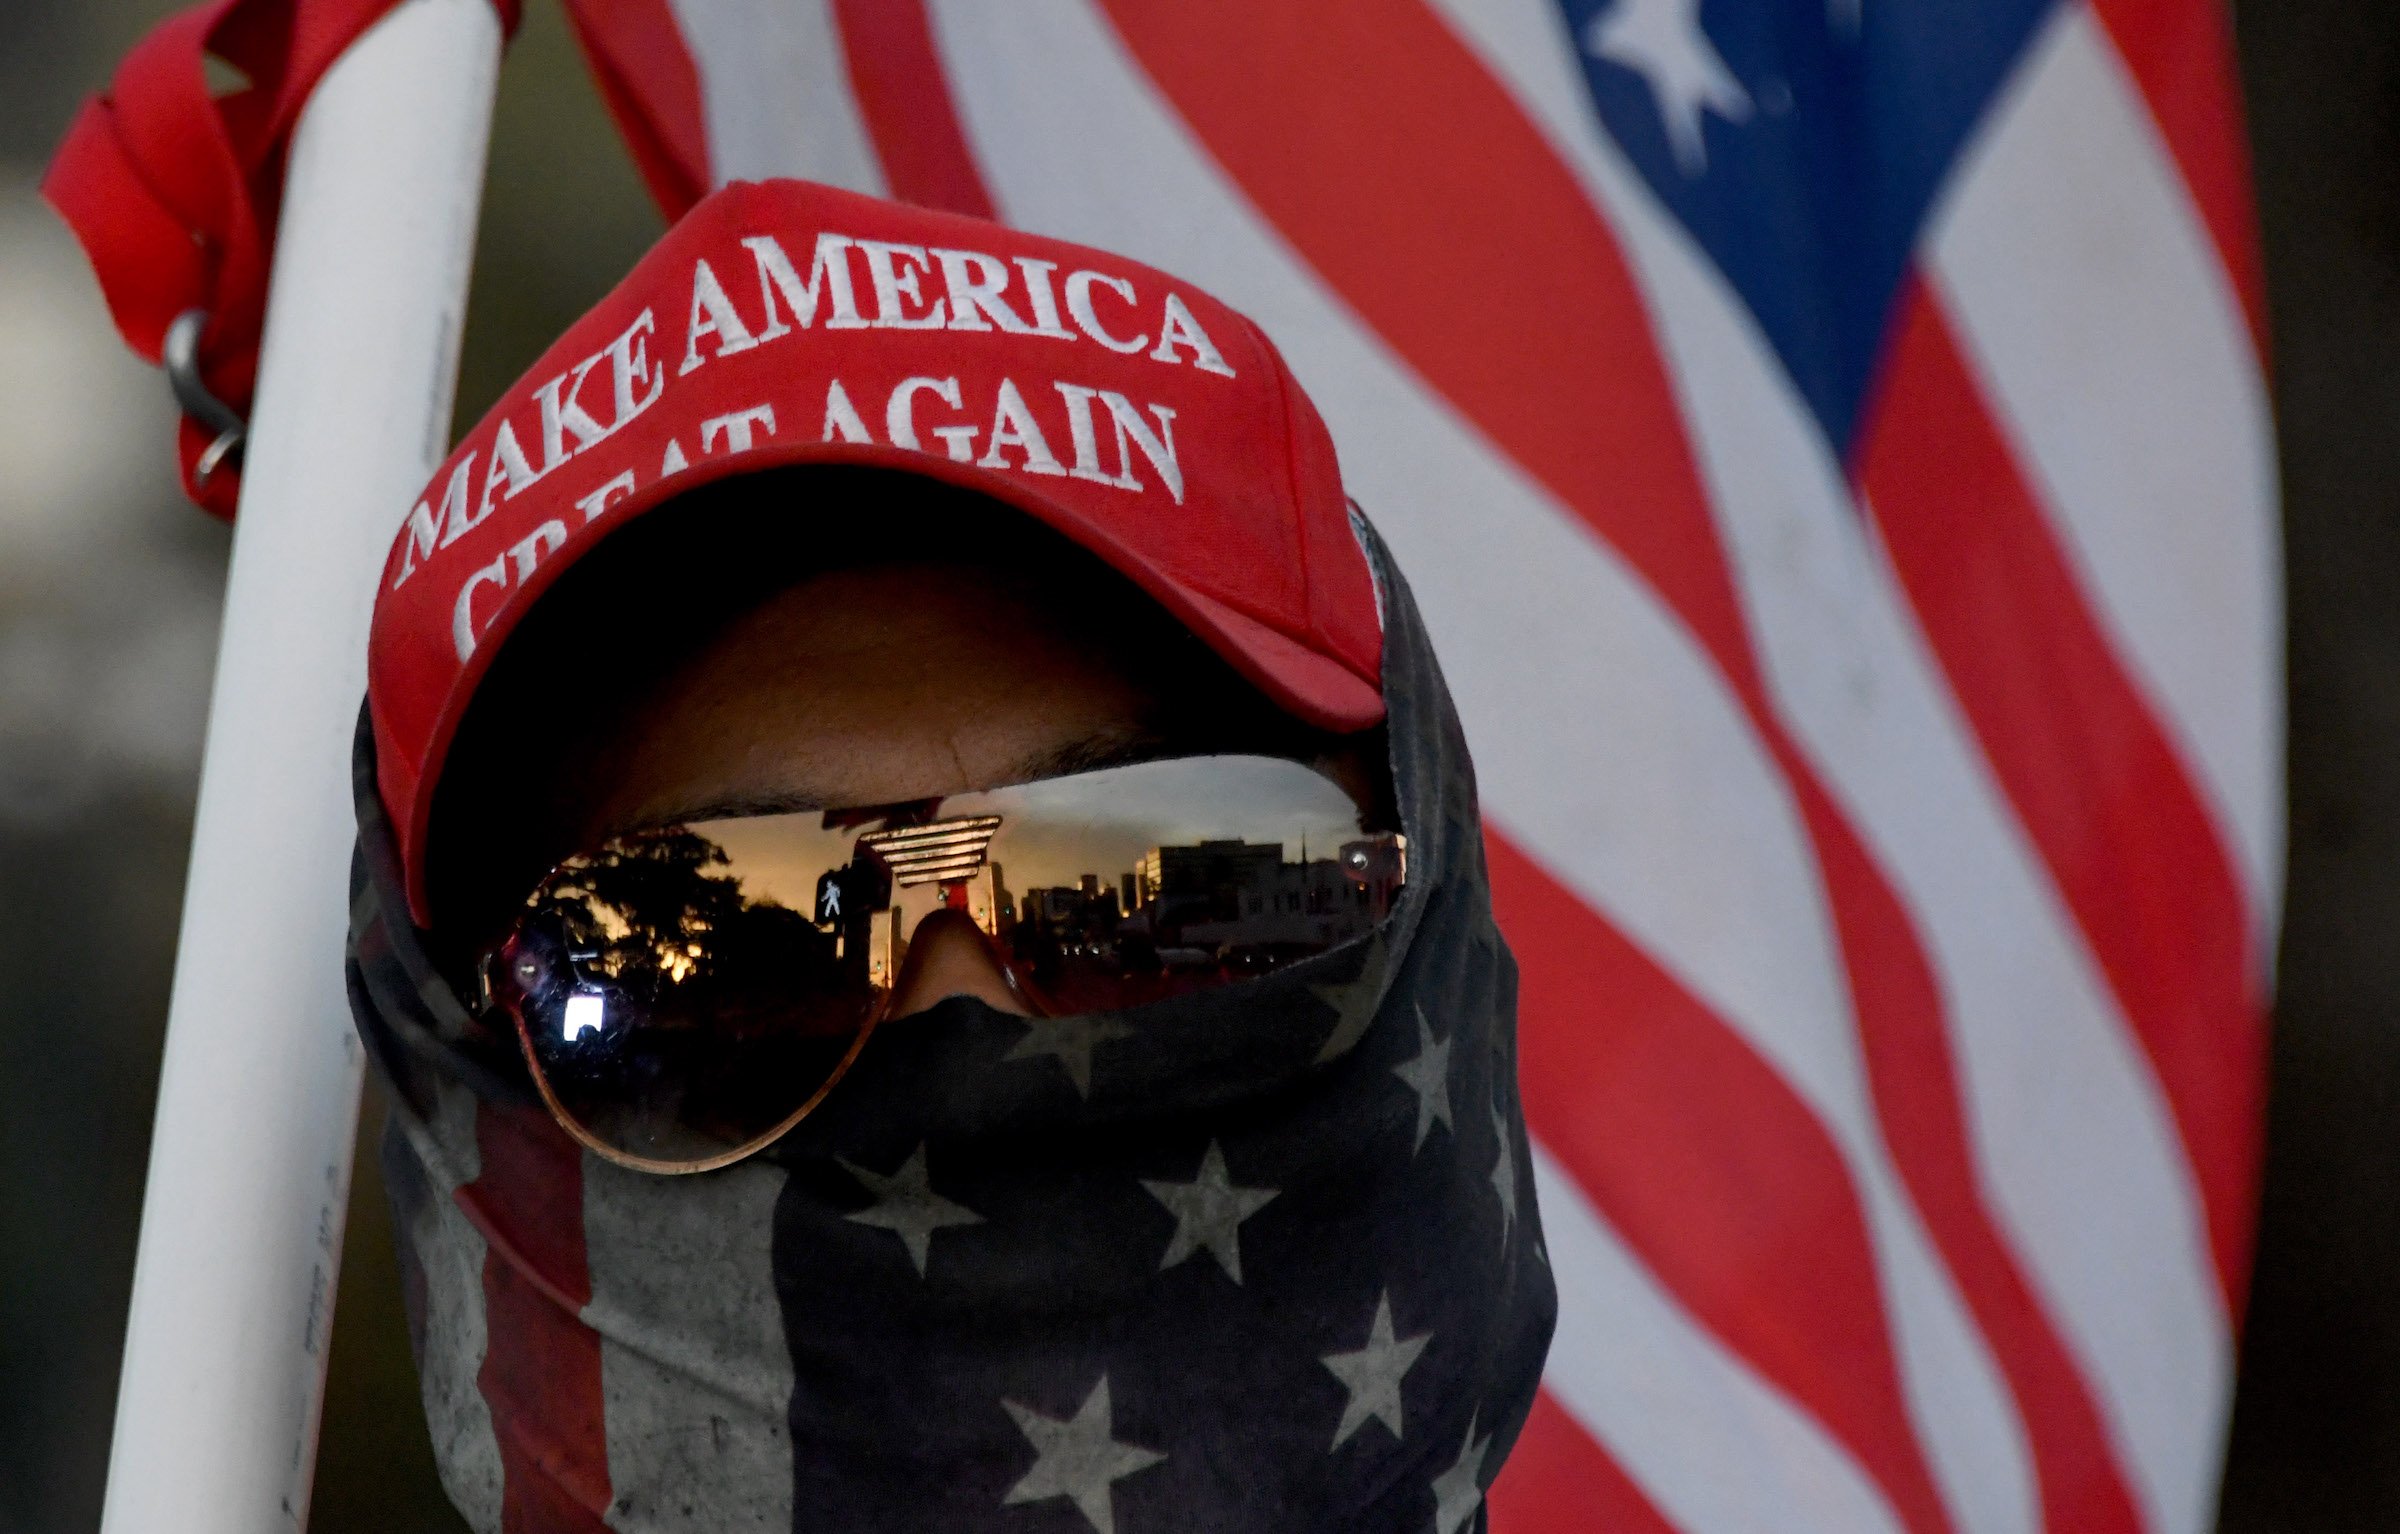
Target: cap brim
(1313,686)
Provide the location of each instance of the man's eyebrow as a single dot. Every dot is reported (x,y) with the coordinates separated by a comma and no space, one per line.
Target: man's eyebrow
(1089,755)
(734,807)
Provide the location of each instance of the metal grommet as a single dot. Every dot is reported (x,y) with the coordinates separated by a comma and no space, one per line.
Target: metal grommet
(181,353)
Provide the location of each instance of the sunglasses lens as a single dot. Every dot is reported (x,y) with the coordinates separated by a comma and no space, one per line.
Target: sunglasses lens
(1114,888)
(683,995)
(670,1009)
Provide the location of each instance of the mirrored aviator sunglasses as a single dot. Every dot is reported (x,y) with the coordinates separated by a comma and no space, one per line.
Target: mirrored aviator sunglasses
(684,995)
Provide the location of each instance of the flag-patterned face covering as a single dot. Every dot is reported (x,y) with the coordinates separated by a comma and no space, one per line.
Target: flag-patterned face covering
(1259,1258)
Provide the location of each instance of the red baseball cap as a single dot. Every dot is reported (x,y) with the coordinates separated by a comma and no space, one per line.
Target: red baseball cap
(782,323)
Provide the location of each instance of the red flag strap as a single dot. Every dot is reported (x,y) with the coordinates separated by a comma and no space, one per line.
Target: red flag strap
(174,189)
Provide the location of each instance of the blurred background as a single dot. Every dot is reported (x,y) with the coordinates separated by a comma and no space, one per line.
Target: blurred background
(109,587)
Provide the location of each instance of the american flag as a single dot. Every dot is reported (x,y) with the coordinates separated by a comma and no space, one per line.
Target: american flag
(1829,442)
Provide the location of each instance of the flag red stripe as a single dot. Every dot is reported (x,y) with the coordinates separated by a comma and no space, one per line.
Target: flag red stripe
(1701,1157)
(2090,771)
(541,1365)
(646,75)
(1558,1481)
(896,74)
(1516,306)
(2180,54)
(2082,1485)
(1554,359)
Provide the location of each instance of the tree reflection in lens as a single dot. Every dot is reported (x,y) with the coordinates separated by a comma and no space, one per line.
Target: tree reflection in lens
(682,1006)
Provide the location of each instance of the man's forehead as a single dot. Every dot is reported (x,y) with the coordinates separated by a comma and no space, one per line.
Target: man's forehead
(863,684)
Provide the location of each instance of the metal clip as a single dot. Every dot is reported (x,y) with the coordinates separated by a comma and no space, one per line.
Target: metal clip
(181,354)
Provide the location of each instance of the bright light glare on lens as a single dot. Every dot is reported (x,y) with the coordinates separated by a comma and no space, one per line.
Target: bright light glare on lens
(585,1012)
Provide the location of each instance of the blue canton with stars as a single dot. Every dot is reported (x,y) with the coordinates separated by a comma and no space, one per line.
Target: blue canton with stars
(1803,143)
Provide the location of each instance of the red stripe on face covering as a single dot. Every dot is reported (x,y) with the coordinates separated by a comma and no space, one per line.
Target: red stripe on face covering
(541,1364)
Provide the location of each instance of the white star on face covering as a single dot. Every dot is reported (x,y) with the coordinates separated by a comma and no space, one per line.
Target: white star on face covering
(1071,1040)
(1372,1374)
(1504,1175)
(1458,1491)
(1078,1459)
(1428,1075)
(1353,1003)
(1209,1211)
(906,1205)
(1661,41)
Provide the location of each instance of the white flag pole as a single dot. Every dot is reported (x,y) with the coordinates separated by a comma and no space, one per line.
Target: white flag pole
(241,1235)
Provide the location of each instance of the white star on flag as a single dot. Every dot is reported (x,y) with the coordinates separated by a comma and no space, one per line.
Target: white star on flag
(1661,41)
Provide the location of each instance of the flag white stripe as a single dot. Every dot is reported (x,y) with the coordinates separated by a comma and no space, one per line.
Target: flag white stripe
(775,92)
(1636,1373)
(2054,1080)
(2090,299)
(695,1373)
(1606,742)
